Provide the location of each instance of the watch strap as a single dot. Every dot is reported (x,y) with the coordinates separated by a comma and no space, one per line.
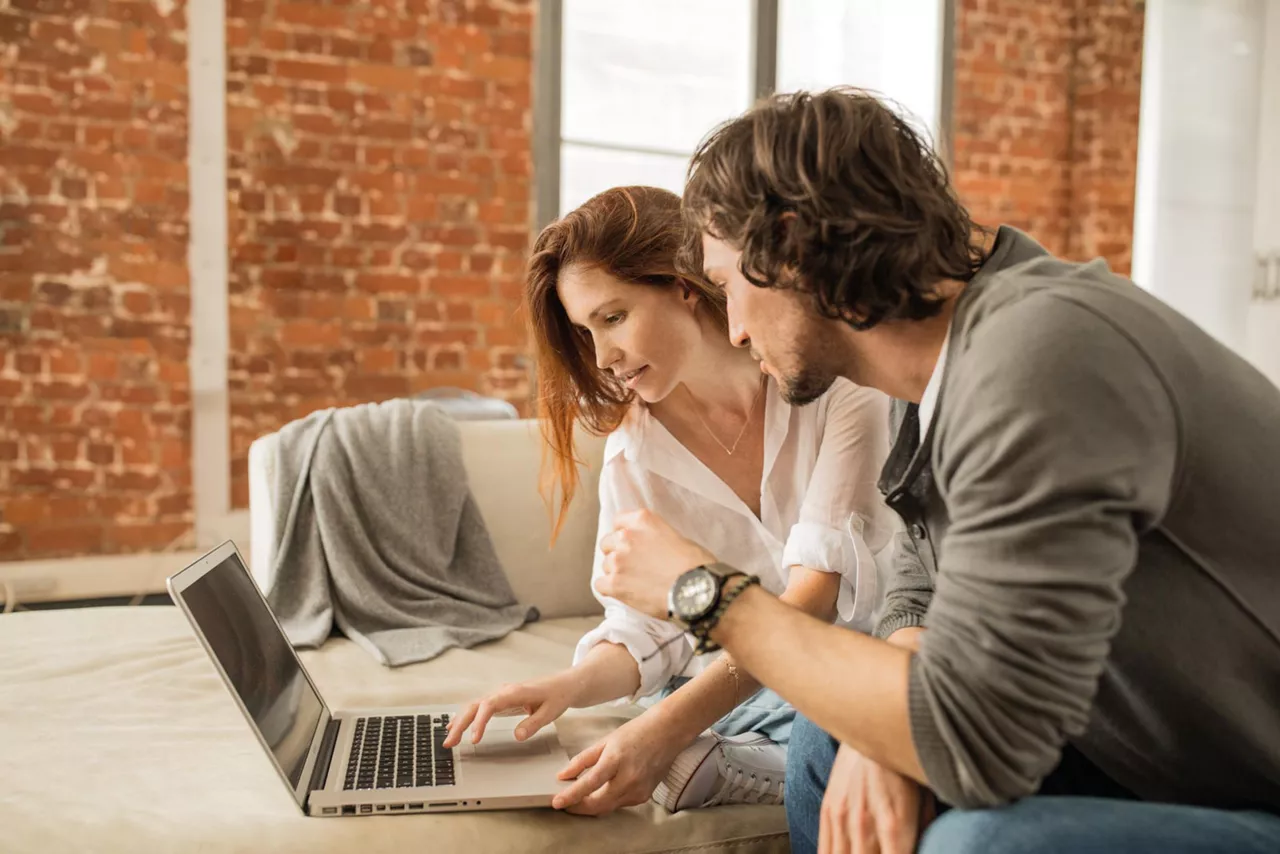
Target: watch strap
(721,570)
(702,629)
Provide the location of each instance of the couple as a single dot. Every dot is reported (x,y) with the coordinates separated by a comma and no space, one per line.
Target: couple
(1079,644)
(630,346)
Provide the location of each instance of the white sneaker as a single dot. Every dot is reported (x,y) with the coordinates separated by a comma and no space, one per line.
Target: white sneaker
(714,770)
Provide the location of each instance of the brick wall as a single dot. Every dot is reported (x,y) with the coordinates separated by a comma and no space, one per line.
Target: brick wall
(379,205)
(1104,162)
(1045,120)
(379,192)
(94,328)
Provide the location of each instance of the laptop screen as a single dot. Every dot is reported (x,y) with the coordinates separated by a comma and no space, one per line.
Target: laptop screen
(260,665)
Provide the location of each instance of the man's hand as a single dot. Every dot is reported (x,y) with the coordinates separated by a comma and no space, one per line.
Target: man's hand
(643,556)
(869,809)
(620,771)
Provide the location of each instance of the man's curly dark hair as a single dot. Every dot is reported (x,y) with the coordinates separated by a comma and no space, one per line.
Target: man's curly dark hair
(836,195)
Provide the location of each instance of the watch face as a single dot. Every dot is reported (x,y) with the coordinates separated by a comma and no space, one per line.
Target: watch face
(696,594)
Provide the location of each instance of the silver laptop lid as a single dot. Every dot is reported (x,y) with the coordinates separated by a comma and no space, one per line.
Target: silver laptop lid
(255,659)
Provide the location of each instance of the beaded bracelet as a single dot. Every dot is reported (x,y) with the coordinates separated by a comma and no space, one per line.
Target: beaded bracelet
(701,630)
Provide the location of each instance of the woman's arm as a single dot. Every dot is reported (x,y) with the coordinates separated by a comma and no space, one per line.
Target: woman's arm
(854,445)
(717,690)
(606,673)
(843,520)
(621,658)
(641,636)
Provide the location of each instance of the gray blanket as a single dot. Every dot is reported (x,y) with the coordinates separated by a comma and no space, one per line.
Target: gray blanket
(377,531)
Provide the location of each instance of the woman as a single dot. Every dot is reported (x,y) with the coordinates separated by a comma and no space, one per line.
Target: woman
(630,346)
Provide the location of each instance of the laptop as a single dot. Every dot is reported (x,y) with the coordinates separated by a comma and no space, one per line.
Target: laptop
(358,762)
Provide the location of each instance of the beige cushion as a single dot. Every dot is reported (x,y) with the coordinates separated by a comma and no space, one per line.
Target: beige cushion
(119,737)
(502,459)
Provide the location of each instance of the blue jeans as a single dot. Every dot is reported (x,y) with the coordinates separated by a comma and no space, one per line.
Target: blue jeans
(1044,824)
(809,760)
(763,712)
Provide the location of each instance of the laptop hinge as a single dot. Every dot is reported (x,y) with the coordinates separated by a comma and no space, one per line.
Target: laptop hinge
(320,771)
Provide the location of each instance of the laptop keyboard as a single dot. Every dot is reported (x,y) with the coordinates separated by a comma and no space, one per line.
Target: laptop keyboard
(400,752)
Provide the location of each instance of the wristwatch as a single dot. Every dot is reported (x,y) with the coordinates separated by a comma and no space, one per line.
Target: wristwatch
(695,594)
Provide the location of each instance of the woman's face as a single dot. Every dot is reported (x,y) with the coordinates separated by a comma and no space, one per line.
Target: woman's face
(642,334)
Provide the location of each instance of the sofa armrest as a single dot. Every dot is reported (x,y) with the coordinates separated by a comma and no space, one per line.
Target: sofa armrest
(262,511)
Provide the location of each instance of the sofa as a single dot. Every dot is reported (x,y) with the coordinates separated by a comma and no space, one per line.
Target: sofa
(117,735)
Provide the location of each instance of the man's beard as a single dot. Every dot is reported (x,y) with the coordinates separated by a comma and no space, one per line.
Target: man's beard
(805,386)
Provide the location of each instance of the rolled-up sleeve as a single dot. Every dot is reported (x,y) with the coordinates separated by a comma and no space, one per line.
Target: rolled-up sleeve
(843,520)
(639,633)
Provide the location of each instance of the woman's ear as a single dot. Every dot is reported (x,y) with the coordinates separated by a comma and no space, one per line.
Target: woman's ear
(692,299)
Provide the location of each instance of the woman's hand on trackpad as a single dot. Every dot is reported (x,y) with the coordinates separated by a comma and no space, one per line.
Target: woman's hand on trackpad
(541,701)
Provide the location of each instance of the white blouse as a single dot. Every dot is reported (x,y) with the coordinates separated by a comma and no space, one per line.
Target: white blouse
(819,508)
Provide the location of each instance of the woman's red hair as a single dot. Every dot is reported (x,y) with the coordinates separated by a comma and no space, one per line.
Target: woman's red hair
(633,234)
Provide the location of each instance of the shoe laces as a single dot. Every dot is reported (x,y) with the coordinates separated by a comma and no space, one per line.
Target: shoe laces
(742,785)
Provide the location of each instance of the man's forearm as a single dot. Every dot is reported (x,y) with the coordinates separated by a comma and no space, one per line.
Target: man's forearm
(849,684)
(719,689)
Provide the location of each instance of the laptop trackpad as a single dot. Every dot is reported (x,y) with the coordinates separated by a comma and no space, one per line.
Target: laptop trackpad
(503,749)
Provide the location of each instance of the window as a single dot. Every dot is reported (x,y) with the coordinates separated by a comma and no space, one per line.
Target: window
(640,82)
(627,88)
(895,49)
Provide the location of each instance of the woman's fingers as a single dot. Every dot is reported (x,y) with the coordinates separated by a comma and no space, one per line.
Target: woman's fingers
(589,782)
(459,724)
(501,702)
(539,717)
(582,761)
(477,715)
(603,800)
(593,769)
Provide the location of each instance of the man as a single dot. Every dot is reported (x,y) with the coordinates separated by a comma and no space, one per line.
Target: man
(1085,616)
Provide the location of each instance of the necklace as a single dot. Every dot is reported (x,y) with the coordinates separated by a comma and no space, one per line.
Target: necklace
(752,411)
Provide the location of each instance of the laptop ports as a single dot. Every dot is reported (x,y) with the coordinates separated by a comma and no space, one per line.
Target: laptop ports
(348,810)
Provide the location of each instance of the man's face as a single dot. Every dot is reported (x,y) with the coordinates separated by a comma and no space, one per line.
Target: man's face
(791,341)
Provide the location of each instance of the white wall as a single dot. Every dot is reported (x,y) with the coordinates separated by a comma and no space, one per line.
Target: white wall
(1263,318)
(1198,159)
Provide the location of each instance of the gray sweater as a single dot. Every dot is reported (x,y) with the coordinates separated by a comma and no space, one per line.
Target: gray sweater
(1093,543)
